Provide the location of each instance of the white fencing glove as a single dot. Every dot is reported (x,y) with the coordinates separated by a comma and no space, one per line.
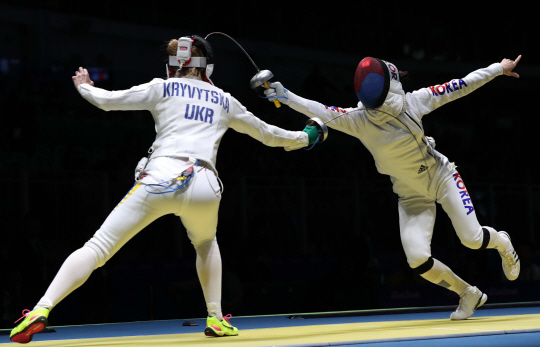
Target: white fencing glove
(277,91)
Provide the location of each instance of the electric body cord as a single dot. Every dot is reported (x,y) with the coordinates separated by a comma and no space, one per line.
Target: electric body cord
(184,178)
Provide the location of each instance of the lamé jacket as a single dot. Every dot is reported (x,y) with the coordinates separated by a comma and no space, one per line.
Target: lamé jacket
(191,117)
(393,132)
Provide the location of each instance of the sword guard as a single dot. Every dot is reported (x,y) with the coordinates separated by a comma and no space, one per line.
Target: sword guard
(261,78)
(321,127)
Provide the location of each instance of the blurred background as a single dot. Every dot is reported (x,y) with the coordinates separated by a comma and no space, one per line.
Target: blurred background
(302,231)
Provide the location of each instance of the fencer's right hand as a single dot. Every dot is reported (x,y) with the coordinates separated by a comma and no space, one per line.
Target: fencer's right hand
(313,133)
(509,65)
(277,91)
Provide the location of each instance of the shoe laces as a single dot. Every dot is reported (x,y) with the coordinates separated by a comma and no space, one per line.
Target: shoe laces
(227,317)
(509,259)
(25,313)
(462,302)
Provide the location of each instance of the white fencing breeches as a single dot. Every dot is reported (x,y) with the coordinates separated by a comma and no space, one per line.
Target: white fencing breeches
(197,206)
(417,217)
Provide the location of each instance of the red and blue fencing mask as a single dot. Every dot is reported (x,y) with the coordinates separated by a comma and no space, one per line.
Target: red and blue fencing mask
(372,80)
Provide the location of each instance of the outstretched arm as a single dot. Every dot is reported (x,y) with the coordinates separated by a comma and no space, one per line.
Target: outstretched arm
(143,97)
(425,100)
(245,122)
(342,119)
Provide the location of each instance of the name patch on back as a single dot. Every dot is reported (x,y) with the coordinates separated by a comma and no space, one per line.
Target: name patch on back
(187,91)
(197,112)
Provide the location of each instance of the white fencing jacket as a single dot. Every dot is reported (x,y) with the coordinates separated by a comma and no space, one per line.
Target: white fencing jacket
(393,132)
(191,117)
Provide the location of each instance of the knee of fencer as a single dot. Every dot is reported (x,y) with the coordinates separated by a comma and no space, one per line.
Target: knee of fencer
(472,239)
(202,243)
(424,266)
(100,250)
(417,260)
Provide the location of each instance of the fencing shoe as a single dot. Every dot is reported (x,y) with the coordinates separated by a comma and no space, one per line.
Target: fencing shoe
(34,322)
(215,327)
(510,260)
(469,301)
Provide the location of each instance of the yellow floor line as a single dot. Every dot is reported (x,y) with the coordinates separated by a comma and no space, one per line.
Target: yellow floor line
(318,333)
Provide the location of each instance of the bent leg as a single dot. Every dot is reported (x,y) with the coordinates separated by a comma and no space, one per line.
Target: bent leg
(127,219)
(416,221)
(440,274)
(456,202)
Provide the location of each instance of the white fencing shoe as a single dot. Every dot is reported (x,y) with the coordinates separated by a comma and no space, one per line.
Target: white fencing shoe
(469,301)
(510,260)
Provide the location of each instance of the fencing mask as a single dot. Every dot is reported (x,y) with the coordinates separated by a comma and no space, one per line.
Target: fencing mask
(372,81)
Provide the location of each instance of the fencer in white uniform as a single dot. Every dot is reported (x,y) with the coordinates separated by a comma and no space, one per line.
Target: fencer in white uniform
(388,122)
(191,116)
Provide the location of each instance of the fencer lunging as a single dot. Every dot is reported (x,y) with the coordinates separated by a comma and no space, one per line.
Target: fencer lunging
(388,122)
(191,116)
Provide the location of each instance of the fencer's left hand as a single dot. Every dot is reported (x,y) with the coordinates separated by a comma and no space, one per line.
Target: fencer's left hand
(508,65)
(81,77)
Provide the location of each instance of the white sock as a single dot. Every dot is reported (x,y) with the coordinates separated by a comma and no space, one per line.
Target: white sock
(500,243)
(209,271)
(214,309)
(441,275)
(73,273)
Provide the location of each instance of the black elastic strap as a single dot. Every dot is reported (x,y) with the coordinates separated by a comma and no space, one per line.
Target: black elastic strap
(424,267)
(485,241)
